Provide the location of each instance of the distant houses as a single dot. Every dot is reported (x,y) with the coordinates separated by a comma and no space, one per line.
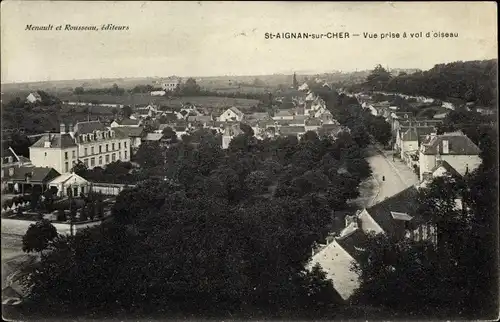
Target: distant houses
(33,97)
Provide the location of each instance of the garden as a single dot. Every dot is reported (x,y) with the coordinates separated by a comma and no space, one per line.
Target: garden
(47,205)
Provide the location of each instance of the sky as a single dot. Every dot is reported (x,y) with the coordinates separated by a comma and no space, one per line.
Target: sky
(228,38)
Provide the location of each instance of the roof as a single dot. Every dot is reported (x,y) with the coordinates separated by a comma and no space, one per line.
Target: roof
(65,177)
(199,118)
(402,202)
(458,144)
(57,141)
(36,174)
(284,113)
(292,130)
(449,169)
(10,153)
(130,131)
(89,127)
(353,242)
(330,128)
(128,122)
(153,137)
(237,111)
(258,115)
(410,135)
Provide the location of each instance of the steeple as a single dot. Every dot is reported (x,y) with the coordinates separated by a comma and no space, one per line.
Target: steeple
(295,83)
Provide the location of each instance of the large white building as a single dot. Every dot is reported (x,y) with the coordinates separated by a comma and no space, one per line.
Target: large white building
(92,143)
(170,84)
(454,147)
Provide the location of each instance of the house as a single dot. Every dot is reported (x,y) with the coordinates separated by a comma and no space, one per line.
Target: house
(303,87)
(90,142)
(126,122)
(231,114)
(283,115)
(170,83)
(453,147)
(153,137)
(337,258)
(442,168)
(70,184)
(135,134)
(203,119)
(10,162)
(310,97)
(158,93)
(25,179)
(397,216)
(33,97)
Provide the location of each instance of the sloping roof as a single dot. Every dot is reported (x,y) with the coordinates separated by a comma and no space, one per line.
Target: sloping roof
(89,127)
(353,242)
(237,111)
(57,141)
(458,144)
(129,131)
(153,136)
(284,113)
(403,202)
(292,130)
(35,173)
(410,135)
(449,169)
(330,128)
(9,152)
(66,177)
(258,116)
(128,122)
(199,118)
(420,132)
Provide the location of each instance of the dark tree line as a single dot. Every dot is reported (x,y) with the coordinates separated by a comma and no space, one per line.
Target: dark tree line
(470,81)
(217,232)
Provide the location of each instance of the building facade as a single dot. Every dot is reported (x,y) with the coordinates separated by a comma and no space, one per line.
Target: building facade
(89,142)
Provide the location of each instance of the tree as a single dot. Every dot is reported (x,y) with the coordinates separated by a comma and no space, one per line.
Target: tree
(127,111)
(80,169)
(169,134)
(190,88)
(38,236)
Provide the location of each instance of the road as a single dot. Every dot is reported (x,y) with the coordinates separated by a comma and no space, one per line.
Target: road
(397,175)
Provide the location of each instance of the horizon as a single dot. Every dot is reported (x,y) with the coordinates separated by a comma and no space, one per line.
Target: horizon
(221,39)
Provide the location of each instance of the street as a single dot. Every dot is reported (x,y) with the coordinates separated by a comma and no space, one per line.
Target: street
(397,175)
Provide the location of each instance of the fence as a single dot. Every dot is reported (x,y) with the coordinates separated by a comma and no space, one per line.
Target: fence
(109,189)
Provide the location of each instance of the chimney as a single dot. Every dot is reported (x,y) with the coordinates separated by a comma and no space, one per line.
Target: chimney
(62,128)
(446,149)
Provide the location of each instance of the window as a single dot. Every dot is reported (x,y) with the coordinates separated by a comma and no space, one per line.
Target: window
(100,159)
(113,146)
(113,157)
(119,145)
(73,163)
(86,161)
(11,171)
(92,162)
(92,150)
(125,144)
(107,147)
(125,155)
(66,167)
(100,148)
(107,158)
(65,155)
(120,155)
(73,154)
(85,152)
(45,153)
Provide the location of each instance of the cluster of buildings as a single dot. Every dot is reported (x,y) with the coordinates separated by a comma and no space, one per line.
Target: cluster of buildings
(54,154)
(431,155)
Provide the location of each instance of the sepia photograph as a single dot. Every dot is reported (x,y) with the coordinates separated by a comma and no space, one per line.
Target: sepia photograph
(232,160)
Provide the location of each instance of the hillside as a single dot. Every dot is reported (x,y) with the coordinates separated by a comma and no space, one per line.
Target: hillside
(470,81)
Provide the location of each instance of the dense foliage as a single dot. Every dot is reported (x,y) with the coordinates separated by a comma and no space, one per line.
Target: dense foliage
(470,81)
(217,232)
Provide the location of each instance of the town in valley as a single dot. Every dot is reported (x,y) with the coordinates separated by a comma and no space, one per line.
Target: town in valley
(220,173)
